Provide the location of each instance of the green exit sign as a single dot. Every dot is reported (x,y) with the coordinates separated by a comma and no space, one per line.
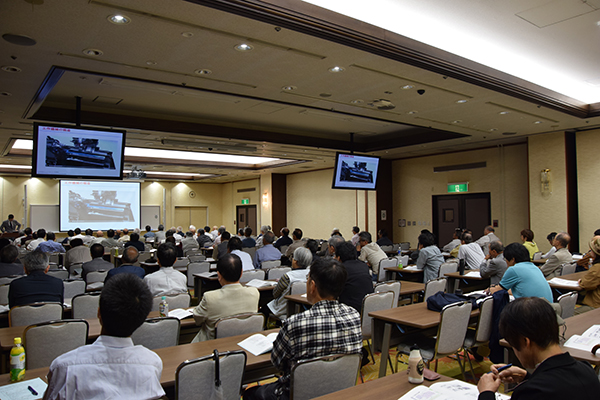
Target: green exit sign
(245,201)
(458,187)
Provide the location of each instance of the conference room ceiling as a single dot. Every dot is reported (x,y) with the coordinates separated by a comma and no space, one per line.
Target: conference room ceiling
(173,78)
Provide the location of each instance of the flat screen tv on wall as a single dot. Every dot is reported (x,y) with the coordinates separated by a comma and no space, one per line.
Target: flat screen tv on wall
(63,151)
(354,171)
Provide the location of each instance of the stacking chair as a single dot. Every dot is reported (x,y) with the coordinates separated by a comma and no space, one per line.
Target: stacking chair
(454,321)
(34,313)
(323,375)
(75,269)
(247,276)
(156,333)
(537,255)
(4,294)
(447,268)
(181,300)
(6,280)
(373,302)
(390,286)
(405,246)
(196,257)
(481,334)
(277,273)
(181,262)
(239,324)
(250,250)
(568,268)
(403,259)
(73,288)
(298,288)
(196,268)
(387,248)
(47,340)
(567,304)
(143,257)
(219,375)
(270,264)
(434,286)
(85,305)
(189,252)
(62,274)
(95,280)
(386,263)
(283,249)
(53,258)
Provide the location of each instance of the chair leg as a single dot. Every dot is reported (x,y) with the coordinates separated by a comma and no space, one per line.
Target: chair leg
(466,353)
(370,347)
(462,369)
(436,364)
(391,366)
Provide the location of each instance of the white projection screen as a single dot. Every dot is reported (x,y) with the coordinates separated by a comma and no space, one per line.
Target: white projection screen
(99,205)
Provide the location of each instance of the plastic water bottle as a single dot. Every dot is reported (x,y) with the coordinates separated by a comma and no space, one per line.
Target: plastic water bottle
(400,266)
(415,365)
(17,361)
(163,307)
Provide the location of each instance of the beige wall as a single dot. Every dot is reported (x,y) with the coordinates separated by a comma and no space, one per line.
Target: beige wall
(316,208)
(548,211)
(588,164)
(504,177)
(231,198)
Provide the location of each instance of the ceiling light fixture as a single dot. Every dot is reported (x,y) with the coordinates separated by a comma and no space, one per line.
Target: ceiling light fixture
(11,69)
(406,87)
(187,34)
(243,47)
(503,112)
(289,88)
(8,166)
(537,122)
(412,112)
(151,62)
(119,19)
(458,121)
(203,72)
(462,101)
(493,130)
(357,101)
(92,52)
(336,69)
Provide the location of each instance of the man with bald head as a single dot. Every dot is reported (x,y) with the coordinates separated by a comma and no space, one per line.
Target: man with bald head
(553,266)
(130,257)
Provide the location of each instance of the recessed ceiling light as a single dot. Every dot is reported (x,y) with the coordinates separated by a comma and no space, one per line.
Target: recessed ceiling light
(412,112)
(119,19)
(336,69)
(187,34)
(11,69)
(151,62)
(462,101)
(406,87)
(493,130)
(458,121)
(15,166)
(92,52)
(357,101)
(289,88)
(243,47)
(503,112)
(203,72)
(537,122)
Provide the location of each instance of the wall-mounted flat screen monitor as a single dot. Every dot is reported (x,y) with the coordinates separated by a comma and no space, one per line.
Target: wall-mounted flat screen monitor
(62,151)
(354,171)
(99,205)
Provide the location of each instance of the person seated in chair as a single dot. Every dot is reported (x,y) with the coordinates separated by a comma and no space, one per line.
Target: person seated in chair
(98,262)
(130,257)
(8,261)
(36,286)
(166,281)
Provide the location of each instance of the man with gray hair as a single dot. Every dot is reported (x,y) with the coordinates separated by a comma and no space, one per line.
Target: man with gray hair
(488,237)
(494,266)
(370,252)
(259,240)
(553,266)
(36,286)
(268,252)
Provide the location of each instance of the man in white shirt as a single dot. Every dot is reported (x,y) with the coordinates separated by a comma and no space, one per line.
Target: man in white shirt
(41,234)
(214,233)
(125,238)
(488,236)
(370,252)
(470,252)
(112,367)
(234,246)
(166,281)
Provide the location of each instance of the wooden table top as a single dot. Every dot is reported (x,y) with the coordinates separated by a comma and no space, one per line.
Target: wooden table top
(457,275)
(173,356)
(404,271)
(415,315)
(571,277)
(390,387)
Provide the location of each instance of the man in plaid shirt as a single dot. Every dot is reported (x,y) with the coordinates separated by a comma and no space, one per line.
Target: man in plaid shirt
(329,327)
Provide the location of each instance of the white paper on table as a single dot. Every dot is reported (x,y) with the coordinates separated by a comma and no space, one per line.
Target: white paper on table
(19,391)
(564,282)
(577,257)
(180,313)
(474,274)
(582,343)
(411,268)
(592,331)
(4,309)
(259,344)
(258,283)
(207,274)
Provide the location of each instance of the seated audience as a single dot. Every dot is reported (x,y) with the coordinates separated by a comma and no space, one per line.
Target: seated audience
(284,240)
(98,262)
(494,266)
(529,325)
(204,238)
(455,242)
(112,367)
(189,244)
(430,257)
(414,256)
(591,280)
(552,250)
(358,280)
(50,245)
(231,299)
(313,246)
(110,240)
(214,233)
(296,242)
(259,240)
(124,238)
(78,235)
(77,254)
(149,234)
(267,252)
(470,252)
(8,261)
(167,280)
(99,237)
(488,236)
(248,241)
(336,232)
(218,239)
(36,286)
(89,237)
(301,260)
(41,234)
(160,235)
(171,239)
(522,278)
(301,336)
(27,237)
(383,239)
(332,244)
(130,257)
(134,240)
(70,235)
(221,248)
(355,238)
(370,252)
(527,238)
(553,265)
(234,246)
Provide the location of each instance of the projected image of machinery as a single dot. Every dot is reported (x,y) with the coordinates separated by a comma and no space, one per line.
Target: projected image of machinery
(83,153)
(104,206)
(358,173)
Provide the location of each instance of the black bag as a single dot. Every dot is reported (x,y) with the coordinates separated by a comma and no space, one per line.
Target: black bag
(440,300)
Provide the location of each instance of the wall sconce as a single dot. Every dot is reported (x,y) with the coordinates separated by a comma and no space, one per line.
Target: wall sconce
(546,181)
(265,199)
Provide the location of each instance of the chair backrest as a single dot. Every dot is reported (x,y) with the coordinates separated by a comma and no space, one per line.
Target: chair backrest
(434,286)
(181,262)
(196,257)
(298,287)
(390,286)
(54,258)
(404,259)
(6,280)
(75,268)
(190,251)
(537,255)
(484,324)
(283,249)
(250,250)
(73,288)
(270,264)
(404,246)
(58,273)
(323,375)
(568,268)
(239,325)
(277,273)
(387,248)
(85,305)
(386,263)
(96,276)
(196,268)
(447,268)
(567,304)
(4,294)
(454,321)
(396,247)
(374,302)
(199,376)
(247,276)
(144,256)
(35,313)
(156,333)
(48,340)
(181,300)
